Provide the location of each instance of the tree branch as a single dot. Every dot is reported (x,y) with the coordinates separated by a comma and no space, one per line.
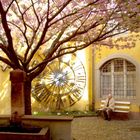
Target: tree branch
(10,5)
(24,23)
(59,11)
(7,30)
(6,61)
(35,12)
(73,13)
(5,26)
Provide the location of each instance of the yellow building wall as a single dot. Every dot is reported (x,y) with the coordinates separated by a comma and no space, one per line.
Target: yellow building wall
(5,96)
(130,54)
(85,103)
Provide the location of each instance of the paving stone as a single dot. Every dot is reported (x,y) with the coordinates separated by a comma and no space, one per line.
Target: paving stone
(95,128)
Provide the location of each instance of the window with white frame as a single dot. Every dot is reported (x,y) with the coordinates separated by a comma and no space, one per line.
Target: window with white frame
(118,76)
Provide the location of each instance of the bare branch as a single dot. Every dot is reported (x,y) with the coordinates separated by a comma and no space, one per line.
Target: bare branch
(24,35)
(104,36)
(7,30)
(73,13)
(54,47)
(4,48)
(5,25)
(29,7)
(17,28)
(39,43)
(35,12)
(60,10)
(77,33)
(27,25)
(24,23)
(10,5)
(45,61)
(6,61)
(48,11)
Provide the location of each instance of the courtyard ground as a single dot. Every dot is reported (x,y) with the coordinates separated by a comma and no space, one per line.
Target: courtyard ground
(95,128)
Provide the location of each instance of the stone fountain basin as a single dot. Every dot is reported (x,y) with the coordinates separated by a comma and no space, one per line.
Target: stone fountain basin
(24,133)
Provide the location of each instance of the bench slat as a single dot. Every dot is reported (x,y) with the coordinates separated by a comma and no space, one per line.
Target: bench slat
(121,107)
(122,102)
(119,102)
(121,111)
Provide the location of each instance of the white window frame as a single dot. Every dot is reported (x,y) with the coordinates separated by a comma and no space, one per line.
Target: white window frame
(124,73)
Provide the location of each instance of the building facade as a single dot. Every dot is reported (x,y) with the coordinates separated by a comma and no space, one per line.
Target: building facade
(104,70)
(118,71)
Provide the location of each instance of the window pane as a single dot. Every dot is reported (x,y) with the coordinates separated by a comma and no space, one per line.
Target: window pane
(105,84)
(131,85)
(130,66)
(106,67)
(118,85)
(118,65)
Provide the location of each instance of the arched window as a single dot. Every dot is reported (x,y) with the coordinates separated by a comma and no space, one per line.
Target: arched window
(118,76)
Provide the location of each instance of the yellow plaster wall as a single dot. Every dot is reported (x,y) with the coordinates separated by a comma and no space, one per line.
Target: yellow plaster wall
(105,51)
(5,102)
(86,101)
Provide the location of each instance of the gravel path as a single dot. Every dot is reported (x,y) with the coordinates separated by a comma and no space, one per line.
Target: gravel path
(95,128)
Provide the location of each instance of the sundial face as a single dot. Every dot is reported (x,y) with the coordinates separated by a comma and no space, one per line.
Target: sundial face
(61,84)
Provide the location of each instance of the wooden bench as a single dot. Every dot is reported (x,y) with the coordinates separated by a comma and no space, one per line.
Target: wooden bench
(121,109)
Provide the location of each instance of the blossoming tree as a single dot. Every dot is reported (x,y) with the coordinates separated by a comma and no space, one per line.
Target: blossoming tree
(28,26)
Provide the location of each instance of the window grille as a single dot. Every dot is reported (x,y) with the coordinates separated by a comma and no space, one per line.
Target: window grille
(119,77)
(118,65)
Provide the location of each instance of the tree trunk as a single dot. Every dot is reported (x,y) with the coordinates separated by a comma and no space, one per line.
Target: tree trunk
(27,97)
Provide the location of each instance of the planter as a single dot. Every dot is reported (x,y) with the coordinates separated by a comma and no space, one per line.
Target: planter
(59,127)
(24,133)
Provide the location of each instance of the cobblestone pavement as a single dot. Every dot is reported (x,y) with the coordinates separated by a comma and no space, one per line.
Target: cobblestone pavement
(95,128)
